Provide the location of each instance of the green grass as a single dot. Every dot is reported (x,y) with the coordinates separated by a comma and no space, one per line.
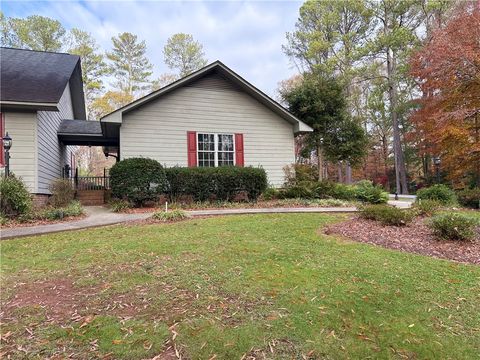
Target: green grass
(240,285)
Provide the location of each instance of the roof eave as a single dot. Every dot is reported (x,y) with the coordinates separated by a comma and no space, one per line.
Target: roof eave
(26,105)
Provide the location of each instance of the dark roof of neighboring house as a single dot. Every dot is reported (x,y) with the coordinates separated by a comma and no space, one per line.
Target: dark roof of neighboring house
(230,75)
(80,127)
(37,79)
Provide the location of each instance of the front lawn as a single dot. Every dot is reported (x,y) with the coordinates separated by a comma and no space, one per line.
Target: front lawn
(253,286)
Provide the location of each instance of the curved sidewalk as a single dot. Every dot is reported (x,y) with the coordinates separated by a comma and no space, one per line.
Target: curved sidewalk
(101,216)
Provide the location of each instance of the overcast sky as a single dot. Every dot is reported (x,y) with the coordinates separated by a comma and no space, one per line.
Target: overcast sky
(247,36)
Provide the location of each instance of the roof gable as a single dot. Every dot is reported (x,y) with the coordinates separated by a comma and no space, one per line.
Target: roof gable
(203,79)
(39,78)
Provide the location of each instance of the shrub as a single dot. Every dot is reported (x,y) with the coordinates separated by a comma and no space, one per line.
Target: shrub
(427,207)
(72,209)
(453,226)
(138,180)
(387,215)
(270,193)
(324,189)
(469,198)
(439,192)
(343,191)
(367,192)
(168,216)
(118,205)
(62,193)
(15,199)
(301,190)
(221,183)
(295,173)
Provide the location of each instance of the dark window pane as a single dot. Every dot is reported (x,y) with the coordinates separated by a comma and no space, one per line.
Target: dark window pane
(225,158)
(225,142)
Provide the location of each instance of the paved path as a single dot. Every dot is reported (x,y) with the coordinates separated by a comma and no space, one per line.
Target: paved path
(101,216)
(96,216)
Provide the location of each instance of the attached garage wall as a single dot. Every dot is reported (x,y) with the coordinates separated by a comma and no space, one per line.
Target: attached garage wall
(158,129)
(22,127)
(52,156)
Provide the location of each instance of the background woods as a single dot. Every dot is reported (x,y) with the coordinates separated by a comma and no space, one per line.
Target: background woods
(391,87)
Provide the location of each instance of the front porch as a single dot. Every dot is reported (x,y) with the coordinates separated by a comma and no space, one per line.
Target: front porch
(90,190)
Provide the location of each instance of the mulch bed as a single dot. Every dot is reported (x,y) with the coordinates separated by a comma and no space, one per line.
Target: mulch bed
(16,224)
(416,238)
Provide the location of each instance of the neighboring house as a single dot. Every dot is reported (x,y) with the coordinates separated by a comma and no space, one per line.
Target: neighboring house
(212,117)
(37,91)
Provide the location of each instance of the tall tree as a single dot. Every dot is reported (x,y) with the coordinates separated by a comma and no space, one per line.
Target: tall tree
(394,38)
(110,101)
(129,63)
(163,80)
(34,32)
(448,71)
(320,102)
(94,67)
(184,54)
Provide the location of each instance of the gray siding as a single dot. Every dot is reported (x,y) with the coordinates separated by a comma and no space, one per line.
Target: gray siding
(159,129)
(52,156)
(22,127)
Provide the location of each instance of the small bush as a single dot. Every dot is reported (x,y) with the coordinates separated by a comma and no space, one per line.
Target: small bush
(296,173)
(344,192)
(427,207)
(439,192)
(387,215)
(270,193)
(62,193)
(365,191)
(169,216)
(118,205)
(469,198)
(138,180)
(300,190)
(220,183)
(453,226)
(71,210)
(15,200)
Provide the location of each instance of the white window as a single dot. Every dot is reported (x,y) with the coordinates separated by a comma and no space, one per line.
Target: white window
(215,149)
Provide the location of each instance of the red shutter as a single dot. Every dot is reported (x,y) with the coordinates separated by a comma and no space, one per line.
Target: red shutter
(192,148)
(239,157)
(2,134)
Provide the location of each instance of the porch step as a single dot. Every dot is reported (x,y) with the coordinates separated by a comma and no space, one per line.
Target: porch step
(91,197)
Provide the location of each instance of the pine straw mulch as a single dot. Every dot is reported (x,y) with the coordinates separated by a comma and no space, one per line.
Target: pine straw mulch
(415,238)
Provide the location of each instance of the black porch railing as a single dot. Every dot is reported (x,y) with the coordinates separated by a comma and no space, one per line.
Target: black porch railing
(90,182)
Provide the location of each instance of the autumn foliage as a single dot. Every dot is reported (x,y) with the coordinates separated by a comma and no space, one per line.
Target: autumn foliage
(447,123)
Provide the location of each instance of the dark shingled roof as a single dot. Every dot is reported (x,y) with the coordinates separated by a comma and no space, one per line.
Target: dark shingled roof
(37,79)
(34,76)
(83,127)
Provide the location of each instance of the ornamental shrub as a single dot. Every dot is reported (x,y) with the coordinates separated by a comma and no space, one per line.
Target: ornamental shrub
(439,192)
(74,208)
(453,226)
(344,192)
(469,198)
(170,216)
(15,200)
(220,183)
(62,193)
(118,205)
(365,191)
(387,215)
(138,180)
(427,207)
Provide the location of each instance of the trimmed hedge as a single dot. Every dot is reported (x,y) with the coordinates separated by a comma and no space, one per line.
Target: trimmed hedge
(138,180)
(220,183)
(387,215)
(453,226)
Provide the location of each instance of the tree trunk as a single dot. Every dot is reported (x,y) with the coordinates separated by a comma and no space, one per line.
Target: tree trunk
(400,169)
(320,162)
(348,173)
(339,170)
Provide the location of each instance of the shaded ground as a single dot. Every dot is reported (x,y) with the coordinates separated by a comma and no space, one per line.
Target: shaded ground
(414,238)
(250,286)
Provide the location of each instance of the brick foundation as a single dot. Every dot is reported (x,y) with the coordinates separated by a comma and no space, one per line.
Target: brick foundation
(40,200)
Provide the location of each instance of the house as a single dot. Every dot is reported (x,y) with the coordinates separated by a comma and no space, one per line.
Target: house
(37,91)
(212,117)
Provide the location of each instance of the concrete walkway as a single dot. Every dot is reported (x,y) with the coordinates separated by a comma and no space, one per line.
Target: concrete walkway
(96,216)
(101,216)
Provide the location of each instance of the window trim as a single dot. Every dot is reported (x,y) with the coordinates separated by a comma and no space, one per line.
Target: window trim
(216,151)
